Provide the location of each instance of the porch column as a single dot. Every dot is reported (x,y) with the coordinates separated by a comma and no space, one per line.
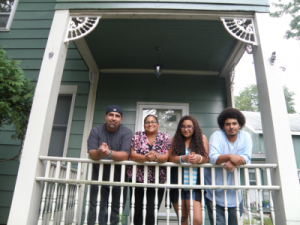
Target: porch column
(277,135)
(26,199)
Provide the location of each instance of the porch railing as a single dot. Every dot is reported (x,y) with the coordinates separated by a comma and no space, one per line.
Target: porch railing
(62,184)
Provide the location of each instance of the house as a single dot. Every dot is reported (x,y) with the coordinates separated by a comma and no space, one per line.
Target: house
(84,55)
(254,127)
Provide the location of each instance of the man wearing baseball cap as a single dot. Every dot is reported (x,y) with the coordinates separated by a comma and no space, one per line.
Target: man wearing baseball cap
(108,141)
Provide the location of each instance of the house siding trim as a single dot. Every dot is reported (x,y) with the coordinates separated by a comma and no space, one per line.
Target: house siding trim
(163,5)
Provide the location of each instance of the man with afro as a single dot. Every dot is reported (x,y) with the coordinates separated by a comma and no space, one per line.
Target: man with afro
(230,147)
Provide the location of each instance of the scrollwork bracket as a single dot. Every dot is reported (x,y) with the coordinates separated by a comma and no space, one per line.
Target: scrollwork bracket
(80,26)
(241,28)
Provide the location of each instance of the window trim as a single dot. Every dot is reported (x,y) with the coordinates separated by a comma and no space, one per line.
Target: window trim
(11,17)
(161,105)
(68,89)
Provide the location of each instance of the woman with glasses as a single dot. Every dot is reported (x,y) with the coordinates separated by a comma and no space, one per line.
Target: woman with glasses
(148,146)
(189,145)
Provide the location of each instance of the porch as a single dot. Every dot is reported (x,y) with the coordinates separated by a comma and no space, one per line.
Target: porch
(64,194)
(205,85)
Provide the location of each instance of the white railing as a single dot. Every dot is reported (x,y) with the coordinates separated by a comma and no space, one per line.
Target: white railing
(58,199)
(59,202)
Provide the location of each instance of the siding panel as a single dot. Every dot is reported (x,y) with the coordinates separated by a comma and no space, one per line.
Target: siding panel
(26,41)
(205,95)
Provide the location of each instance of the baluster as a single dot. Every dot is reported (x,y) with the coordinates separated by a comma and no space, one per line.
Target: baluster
(237,202)
(111,179)
(49,196)
(87,201)
(57,172)
(202,194)
(123,168)
(269,183)
(156,194)
(100,178)
(258,183)
(145,194)
(179,195)
(77,194)
(61,188)
(247,183)
(40,221)
(225,195)
(168,193)
(66,194)
(213,183)
(133,193)
(191,195)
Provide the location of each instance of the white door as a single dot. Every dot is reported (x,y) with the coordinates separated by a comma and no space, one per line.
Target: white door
(168,115)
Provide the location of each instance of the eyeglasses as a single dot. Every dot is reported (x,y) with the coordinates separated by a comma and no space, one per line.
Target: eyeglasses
(189,127)
(151,122)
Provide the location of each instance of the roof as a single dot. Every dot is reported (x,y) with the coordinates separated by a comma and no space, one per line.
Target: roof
(253,122)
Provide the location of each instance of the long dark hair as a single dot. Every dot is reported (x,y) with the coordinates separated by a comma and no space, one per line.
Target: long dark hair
(196,144)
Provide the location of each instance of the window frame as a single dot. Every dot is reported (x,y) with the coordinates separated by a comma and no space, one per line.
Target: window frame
(159,105)
(68,89)
(11,17)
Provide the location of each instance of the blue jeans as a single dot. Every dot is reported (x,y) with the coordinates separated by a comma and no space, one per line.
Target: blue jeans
(220,218)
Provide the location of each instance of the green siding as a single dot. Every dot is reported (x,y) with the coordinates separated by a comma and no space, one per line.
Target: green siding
(205,94)
(26,41)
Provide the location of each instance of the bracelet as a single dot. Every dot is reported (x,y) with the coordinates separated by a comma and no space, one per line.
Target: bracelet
(156,158)
(180,159)
(110,153)
(200,159)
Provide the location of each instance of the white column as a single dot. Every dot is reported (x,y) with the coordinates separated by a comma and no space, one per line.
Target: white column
(277,136)
(27,194)
(89,116)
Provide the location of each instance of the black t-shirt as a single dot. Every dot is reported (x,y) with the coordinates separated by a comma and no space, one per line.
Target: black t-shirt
(117,141)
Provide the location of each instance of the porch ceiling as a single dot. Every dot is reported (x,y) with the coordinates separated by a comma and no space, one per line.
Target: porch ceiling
(201,45)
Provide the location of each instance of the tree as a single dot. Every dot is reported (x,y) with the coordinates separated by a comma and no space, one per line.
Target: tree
(15,96)
(248,99)
(291,8)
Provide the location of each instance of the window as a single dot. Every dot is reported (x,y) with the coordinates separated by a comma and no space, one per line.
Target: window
(7,11)
(168,115)
(62,121)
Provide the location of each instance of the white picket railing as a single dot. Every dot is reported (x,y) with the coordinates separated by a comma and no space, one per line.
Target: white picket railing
(59,204)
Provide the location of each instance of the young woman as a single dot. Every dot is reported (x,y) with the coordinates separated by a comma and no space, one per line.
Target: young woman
(188,145)
(152,146)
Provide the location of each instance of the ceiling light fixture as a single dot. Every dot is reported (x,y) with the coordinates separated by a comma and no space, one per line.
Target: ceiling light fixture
(158,66)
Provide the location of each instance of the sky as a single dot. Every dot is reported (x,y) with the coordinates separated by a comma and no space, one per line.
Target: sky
(287,55)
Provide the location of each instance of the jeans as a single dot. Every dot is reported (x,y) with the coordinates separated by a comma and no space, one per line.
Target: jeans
(220,218)
(103,216)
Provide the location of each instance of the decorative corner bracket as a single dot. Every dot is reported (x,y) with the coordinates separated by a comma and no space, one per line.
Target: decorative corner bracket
(80,26)
(91,76)
(232,74)
(241,28)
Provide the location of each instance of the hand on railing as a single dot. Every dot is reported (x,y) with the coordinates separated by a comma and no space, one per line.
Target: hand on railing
(237,160)
(152,156)
(192,158)
(229,166)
